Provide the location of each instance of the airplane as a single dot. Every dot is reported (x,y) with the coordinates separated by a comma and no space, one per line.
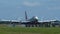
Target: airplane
(33,22)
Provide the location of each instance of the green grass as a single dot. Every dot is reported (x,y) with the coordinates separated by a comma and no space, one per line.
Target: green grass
(31,30)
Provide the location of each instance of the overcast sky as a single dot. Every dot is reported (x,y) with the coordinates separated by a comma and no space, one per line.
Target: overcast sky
(44,9)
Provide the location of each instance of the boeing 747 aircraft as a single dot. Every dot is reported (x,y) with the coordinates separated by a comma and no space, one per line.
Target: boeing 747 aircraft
(33,22)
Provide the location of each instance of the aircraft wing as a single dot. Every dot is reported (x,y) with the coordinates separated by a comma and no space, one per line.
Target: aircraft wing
(48,21)
(5,22)
(45,21)
(9,21)
(24,22)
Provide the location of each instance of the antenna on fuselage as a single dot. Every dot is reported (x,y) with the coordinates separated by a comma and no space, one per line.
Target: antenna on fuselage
(26,15)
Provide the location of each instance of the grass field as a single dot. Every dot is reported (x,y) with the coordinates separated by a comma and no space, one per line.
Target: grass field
(27,30)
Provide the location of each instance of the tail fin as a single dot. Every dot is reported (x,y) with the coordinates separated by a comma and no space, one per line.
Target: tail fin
(26,15)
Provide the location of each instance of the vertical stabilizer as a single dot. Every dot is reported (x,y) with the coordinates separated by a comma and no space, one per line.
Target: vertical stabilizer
(26,15)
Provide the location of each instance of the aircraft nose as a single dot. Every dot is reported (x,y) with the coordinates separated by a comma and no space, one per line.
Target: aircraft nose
(36,17)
